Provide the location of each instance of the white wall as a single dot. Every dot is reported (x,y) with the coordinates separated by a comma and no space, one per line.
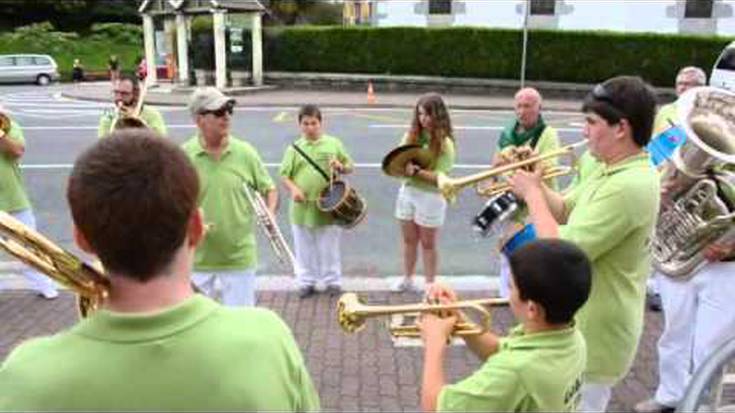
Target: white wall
(658,16)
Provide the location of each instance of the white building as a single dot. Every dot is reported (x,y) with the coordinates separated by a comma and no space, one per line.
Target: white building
(659,16)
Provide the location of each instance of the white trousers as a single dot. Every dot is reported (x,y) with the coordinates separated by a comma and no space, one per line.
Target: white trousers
(231,288)
(595,397)
(504,286)
(699,316)
(317,254)
(38,281)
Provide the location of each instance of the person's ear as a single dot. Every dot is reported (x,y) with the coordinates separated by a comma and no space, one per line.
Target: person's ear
(195,229)
(534,311)
(82,241)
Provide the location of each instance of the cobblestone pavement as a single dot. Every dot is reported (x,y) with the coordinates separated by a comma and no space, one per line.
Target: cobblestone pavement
(358,372)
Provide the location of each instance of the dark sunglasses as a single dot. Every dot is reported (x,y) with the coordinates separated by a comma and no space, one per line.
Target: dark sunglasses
(219,112)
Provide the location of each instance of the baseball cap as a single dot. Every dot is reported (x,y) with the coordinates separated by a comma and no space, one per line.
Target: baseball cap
(208,98)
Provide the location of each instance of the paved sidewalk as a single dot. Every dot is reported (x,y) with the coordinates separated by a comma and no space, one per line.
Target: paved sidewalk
(358,372)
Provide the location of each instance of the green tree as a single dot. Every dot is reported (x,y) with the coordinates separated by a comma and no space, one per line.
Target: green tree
(67,15)
(291,12)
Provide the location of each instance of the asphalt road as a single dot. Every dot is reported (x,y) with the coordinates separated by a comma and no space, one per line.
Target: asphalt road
(58,129)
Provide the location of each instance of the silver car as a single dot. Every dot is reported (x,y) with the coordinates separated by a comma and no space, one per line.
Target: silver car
(38,68)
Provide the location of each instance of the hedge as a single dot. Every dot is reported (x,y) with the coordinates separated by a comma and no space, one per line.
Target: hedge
(553,55)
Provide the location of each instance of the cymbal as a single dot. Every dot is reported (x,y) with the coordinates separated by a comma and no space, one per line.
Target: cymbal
(394,164)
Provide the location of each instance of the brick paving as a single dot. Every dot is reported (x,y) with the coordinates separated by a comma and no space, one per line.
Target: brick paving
(357,372)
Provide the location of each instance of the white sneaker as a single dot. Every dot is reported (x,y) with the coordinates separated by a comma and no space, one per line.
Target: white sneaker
(49,295)
(403,284)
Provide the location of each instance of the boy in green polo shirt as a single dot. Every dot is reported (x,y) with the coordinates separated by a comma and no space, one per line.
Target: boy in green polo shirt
(610,214)
(539,366)
(154,345)
(316,237)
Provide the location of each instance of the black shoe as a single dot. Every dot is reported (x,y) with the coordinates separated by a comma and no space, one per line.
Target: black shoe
(333,290)
(654,302)
(306,291)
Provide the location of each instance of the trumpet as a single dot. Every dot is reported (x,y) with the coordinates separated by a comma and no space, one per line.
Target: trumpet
(352,312)
(450,187)
(37,251)
(268,224)
(4,124)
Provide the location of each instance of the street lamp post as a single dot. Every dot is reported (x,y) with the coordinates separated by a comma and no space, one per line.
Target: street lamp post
(526,7)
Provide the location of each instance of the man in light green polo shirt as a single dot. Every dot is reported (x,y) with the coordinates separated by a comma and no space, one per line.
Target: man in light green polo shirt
(610,213)
(226,260)
(539,366)
(527,130)
(13,197)
(126,95)
(154,345)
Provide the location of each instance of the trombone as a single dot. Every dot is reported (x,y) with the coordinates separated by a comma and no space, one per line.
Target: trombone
(450,187)
(123,120)
(268,224)
(352,312)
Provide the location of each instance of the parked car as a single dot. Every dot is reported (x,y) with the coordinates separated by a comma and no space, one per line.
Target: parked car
(723,73)
(38,68)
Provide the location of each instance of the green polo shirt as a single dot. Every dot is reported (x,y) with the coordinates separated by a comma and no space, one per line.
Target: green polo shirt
(311,182)
(13,196)
(150,115)
(443,163)
(195,356)
(229,243)
(529,373)
(613,212)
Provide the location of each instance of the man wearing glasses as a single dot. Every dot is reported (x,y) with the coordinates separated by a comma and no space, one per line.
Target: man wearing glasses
(126,94)
(610,212)
(225,262)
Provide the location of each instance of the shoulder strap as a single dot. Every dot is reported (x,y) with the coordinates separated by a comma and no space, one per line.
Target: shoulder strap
(311,162)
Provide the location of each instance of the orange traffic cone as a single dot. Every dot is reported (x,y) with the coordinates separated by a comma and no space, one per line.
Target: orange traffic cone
(370,93)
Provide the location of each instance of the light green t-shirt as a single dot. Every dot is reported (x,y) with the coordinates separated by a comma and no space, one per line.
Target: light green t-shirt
(306,177)
(530,373)
(150,115)
(443,163)
(196,356)
(664,116)
(229,243)
(613,212)
(13,196)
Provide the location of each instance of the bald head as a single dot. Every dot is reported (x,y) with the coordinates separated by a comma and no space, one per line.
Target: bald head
(528,107)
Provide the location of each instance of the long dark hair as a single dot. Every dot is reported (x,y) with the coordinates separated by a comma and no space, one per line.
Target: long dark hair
(434,106)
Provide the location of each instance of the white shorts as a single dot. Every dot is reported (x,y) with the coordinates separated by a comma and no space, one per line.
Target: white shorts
(425,208)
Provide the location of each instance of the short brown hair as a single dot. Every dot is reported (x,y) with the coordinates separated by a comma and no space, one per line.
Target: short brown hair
(131,195)
(310,110)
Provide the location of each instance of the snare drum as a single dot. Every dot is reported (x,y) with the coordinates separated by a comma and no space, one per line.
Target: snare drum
(344,204)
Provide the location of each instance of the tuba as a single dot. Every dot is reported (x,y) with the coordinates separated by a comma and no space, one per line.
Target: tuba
(268,224)
(39,252)
(699,206)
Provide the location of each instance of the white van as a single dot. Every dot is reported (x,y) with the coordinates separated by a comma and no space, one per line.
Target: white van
(723,73)
(37,68)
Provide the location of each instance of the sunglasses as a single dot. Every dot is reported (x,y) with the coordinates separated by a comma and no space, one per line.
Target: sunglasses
(601,94)
(219,112)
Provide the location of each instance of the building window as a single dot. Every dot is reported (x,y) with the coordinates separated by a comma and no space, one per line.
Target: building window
(440,6)
(698,9)
(543,7)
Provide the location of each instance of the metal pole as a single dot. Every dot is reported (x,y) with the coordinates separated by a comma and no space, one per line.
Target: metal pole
(526,8)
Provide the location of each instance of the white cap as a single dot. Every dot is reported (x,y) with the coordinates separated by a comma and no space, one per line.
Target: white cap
(208,98)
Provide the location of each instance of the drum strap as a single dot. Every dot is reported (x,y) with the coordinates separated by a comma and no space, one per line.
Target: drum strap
(311,162)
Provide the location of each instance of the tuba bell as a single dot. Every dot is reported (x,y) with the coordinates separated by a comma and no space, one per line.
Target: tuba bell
(699,204)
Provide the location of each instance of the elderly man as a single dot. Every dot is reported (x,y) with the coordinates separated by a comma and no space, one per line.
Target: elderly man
(13,197)
(226,260)
(609,213)
(699,315)
(667,136)
(126,94)
(527,130)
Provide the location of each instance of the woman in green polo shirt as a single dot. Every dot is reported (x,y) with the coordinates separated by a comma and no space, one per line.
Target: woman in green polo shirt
(420,207)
